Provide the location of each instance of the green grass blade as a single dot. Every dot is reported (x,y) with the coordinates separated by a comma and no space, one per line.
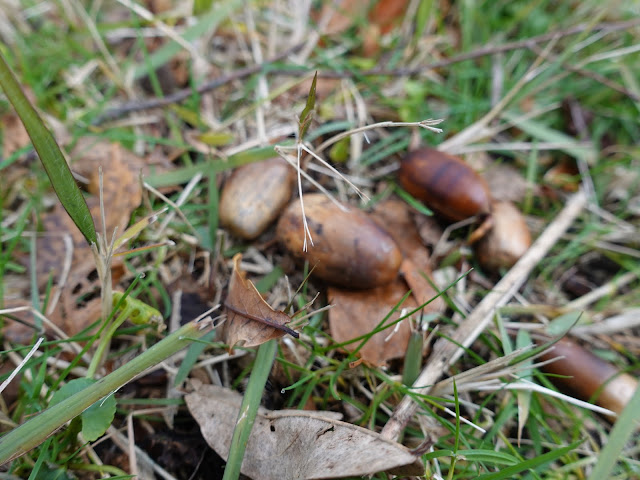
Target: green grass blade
(50,155)
(307,113)
(190,359)
(249,408)
(33,432)
(488,456)
(627,423)
(210,167)
(206,24)
(413,359)
(508,472)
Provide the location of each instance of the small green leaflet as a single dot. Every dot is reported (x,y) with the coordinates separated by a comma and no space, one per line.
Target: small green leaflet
(95,419)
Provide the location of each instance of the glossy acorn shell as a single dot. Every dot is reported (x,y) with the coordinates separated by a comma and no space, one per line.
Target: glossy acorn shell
(445,184)
(349,249)
(581,373)
(254,195)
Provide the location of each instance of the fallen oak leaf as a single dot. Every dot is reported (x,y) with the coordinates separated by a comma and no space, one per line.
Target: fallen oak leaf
(296,444)
(250,319)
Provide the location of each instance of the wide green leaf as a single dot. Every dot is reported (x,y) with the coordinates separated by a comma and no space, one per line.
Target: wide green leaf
(95,419)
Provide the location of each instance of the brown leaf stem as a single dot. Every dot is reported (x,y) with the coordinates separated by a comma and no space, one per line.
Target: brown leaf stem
(266,321)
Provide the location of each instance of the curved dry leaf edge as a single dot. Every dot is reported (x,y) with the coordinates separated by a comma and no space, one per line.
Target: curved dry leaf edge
(293,444)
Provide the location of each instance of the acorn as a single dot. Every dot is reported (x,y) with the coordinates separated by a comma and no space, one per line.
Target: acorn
(445,184)
(588,376)
(254,195)
(349,249)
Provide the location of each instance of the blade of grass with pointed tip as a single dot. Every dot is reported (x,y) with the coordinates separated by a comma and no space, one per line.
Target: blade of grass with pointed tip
(249,408)
(50,155)
(622,431)
(307,112)
(523,339)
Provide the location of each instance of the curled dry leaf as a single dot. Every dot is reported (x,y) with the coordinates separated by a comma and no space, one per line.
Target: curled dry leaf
(358,312)
(250,319)
(349,249)
(254,196)
(508,239)
(445,184)
(294,444)
(586,375)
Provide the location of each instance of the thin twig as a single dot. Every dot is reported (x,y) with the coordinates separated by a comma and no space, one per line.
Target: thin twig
(180,95)
(218,82)
(265,321)
(22,364)
(448,349)
(487,50)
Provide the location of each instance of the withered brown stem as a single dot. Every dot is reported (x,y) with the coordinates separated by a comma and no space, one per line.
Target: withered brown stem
(266,321)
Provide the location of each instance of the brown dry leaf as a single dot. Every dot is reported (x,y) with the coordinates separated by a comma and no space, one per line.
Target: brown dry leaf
(345,14)
(122,194)
(395,217)
(386,13)
(294,444)
(358,312)
(14,135)
(79,304)
(250,319)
